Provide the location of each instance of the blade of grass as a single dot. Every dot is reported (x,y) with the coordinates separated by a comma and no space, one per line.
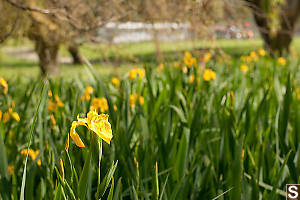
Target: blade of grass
(222,194)
(3,160)
(163,188)
(85,176)
(117,194)
(266,186)
(111,191)
(42,94)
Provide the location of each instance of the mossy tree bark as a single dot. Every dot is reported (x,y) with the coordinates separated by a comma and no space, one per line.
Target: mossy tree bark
(280,41)
(48,56)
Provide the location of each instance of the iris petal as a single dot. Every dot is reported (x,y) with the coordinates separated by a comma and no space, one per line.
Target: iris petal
(74,135)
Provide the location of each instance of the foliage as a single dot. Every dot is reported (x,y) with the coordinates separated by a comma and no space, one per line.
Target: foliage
(234,135)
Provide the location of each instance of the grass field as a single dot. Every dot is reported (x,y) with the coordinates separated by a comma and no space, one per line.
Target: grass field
(119,58)
(198,126)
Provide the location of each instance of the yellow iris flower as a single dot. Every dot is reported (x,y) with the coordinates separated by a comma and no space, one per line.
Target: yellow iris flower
(134,97)
(281,61)
(244,68)
(87,93)
(189,60)
(10,169)
(192,78)
(298,93)
(61,168)
(58,101)
(115,81)
(209,75)
(15,116)
(247,59)
(67,143)
(132,74)
(4,85)
(53,122)
(136,72)
(253,55)
(49,93)
(115,108)
(206,57)
(136,162)
(6,117)
(32,154)
(141,100)
(262,52)
(54,105)
(187,55)
(96,123)
(99,104)
(132,100)
(8,114)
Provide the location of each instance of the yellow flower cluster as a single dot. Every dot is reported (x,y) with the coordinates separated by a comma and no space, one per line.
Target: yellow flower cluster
(189,60)
(136,72)
(87,93)
(99,104)
(10,113)
(115,81)
(96,123)
(247,59)
(254,56)
(134,97)
(4,85)
(209,75)
(54,105)
(32,154)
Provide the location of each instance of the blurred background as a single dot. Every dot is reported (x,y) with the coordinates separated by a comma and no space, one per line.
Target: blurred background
(54,37)
(202,97)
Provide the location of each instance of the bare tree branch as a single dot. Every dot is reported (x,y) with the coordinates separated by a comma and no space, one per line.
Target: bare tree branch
(11,30)
(28,8)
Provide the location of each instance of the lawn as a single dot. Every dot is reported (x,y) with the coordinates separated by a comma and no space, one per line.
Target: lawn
(118,59)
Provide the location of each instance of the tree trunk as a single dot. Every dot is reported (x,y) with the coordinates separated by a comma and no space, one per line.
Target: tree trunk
(278,42)
(74,51)
(48,57)
(158,52)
